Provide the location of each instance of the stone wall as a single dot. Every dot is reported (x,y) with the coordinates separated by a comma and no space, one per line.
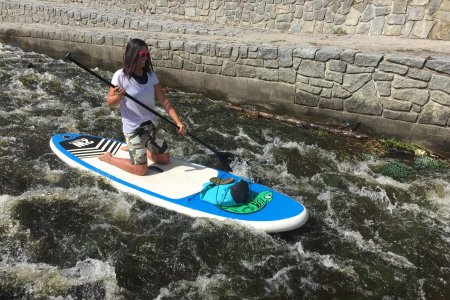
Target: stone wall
(406,18)
(396,94)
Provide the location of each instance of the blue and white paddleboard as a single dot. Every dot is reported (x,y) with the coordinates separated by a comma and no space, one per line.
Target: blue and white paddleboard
(177,186)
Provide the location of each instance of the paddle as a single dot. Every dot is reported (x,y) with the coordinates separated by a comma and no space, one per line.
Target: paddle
(224,157)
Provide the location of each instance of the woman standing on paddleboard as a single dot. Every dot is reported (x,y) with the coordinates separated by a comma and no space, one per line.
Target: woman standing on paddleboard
(139,125)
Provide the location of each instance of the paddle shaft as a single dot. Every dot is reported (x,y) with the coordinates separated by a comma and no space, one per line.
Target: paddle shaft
(69,57)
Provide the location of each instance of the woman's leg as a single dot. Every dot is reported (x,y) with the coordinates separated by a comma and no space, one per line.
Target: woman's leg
(161,159)
(124,164)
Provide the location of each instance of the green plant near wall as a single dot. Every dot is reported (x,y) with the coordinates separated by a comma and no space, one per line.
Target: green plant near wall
(429,163)
(398,171)
(339,31)
(393,143)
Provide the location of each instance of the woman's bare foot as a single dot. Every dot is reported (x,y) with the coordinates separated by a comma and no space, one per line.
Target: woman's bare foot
(106,157)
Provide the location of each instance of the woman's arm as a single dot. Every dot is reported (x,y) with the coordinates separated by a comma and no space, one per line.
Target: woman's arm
(167,105)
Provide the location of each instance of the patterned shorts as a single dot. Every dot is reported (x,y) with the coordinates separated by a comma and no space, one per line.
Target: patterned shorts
(143,138)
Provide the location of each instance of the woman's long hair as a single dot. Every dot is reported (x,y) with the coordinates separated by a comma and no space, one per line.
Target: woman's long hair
(130,57)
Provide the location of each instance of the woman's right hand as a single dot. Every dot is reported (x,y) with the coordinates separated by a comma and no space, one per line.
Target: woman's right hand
(119,92)
(115,94)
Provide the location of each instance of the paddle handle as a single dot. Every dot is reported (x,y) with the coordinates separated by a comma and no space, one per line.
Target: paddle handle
(69,57)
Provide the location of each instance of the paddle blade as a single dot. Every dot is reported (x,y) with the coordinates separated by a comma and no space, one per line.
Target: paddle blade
(225,159)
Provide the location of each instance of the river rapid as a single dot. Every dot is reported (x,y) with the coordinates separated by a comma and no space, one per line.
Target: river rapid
(66,234)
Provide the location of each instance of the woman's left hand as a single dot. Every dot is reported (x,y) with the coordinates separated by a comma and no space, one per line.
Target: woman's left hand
(181,128)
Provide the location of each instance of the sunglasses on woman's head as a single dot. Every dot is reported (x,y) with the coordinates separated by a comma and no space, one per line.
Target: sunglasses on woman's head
(143,54)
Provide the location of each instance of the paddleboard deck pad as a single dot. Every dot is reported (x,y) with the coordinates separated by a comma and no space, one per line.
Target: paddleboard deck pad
(177,186)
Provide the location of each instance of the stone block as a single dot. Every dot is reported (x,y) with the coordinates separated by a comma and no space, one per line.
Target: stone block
(410,117)
(119,41)
(349,56)
(396,19)
(405,83)
(353,82)
(334,76)
(419,74)
(320,83)
(392,30)
(302,79)
(212,69)
(393,68)
(422,29)
(203,48)
(224,50)
(382,2)
(416,96)
(415,13)
(337,65)
(245,71)
(177,62)
(267,52)
(312,68)
(439,82)
(399,6)
(441,31)
(382,11)
(418,2)
(365,101)
(197,59)
(243,52)
(435,114)
(325,54)
(339,92)
(440,97)
(440,64)
(287,75)
(207,60)
(326,93)
(404,59)
(190,47)
(396,105)
(305,98)
(189,66)
(363,28)
(176,45)
(353,17)
(271,64)
(384,88)
(285,57)
(252,62)
(368,14)
(382,76)
(432,7)
(308,88)
(306,52)
(351,69)
(377,26)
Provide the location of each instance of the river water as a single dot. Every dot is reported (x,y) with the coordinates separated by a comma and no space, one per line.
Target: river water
(66,234)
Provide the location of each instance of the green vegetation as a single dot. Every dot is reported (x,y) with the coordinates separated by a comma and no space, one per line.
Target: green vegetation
(417,158)
(398,171)
(339,31)
(393,143)
(429,163)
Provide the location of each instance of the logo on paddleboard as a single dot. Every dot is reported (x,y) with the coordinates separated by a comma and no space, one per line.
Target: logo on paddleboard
(258,203)
(81,142)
